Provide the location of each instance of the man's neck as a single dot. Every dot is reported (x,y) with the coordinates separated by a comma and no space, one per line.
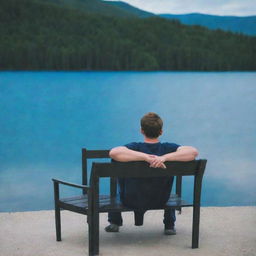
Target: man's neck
(150,140)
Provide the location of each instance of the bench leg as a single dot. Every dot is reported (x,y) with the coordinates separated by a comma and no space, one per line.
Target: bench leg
(91,245)
(94,235)
(195,228)
(58,223)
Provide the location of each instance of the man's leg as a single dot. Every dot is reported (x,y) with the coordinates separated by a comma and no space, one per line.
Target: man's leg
(138,217)
(169,221)
(115,220)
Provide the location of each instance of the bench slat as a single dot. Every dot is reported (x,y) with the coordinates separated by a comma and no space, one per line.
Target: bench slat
(106,203)
(90,154)
(142,170)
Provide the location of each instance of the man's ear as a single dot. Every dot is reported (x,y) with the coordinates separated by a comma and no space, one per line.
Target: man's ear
(142,132)
(161,132)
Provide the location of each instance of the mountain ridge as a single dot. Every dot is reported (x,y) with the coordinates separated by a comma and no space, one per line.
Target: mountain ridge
(91,6)
(236,24)
(134,10)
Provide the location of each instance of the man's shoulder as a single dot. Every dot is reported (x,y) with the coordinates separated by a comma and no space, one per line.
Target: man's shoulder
(133,145)
(164,147)
(170,146)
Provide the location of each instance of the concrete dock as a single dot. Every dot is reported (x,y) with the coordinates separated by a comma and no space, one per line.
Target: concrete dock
(224,231)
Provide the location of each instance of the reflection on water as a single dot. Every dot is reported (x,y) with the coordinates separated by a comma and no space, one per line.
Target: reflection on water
(47,117)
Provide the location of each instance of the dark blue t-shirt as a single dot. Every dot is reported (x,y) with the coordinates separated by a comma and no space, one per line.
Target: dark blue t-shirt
(143,193)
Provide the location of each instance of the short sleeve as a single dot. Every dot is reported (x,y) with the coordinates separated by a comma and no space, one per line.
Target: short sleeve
(171,147)
(132,146)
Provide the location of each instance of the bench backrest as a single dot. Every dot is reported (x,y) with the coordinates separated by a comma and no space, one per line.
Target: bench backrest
(91,154)
(142,170)
(139,169)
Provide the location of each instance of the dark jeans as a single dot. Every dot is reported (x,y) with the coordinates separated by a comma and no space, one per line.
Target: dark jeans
(169,218)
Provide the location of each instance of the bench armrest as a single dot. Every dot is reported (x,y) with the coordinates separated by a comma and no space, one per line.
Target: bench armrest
(70,184)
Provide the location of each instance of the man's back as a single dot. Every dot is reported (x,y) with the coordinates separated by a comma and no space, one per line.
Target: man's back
(143,193)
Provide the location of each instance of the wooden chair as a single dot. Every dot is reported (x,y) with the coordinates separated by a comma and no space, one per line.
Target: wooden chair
(91,203)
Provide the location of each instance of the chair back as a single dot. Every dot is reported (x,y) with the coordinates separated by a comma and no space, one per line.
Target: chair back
(91,154)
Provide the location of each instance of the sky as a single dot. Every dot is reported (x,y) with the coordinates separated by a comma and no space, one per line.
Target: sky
(216,7)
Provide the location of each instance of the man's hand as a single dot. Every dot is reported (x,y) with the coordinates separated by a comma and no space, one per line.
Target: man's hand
(155,161)
(158,162)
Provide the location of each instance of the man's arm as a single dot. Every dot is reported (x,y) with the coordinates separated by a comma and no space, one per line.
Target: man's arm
(124,154)
(183,153)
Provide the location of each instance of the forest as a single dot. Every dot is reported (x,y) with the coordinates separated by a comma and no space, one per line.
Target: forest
(40,35)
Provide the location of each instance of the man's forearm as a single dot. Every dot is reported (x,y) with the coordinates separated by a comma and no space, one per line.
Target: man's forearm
(184,153)
(123,154)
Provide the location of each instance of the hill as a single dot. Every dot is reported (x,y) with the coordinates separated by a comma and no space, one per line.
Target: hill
(90,7)
(38,35)
(245,25)
(131,9)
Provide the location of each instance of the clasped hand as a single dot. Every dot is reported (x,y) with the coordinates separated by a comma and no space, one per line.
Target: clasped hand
(156,161)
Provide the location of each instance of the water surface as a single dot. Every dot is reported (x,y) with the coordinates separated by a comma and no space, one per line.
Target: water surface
(47,117)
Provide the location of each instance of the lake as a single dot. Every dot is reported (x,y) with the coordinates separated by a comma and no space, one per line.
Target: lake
(47,117)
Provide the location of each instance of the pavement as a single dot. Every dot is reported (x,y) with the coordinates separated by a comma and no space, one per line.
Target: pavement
(224,231)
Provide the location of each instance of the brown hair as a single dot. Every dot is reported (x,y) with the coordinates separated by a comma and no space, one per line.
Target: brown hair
(151,125)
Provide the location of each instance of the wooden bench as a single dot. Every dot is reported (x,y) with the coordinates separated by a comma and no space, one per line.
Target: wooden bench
(91,203)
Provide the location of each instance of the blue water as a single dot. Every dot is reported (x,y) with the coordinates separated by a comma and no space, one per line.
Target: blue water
(47,117)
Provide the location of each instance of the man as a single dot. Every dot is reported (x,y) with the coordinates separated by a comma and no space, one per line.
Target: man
(145,193)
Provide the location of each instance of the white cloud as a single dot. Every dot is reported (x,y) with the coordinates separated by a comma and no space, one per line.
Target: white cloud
(217,7)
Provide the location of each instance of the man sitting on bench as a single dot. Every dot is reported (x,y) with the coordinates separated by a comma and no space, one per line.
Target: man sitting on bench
(147,193)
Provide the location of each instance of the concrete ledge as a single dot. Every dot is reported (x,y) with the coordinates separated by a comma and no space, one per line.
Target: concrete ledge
(224,231)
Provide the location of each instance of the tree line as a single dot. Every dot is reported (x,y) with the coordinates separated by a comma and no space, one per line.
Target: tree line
(44,36)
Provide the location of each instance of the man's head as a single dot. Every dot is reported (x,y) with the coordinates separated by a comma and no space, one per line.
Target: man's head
(151,125)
